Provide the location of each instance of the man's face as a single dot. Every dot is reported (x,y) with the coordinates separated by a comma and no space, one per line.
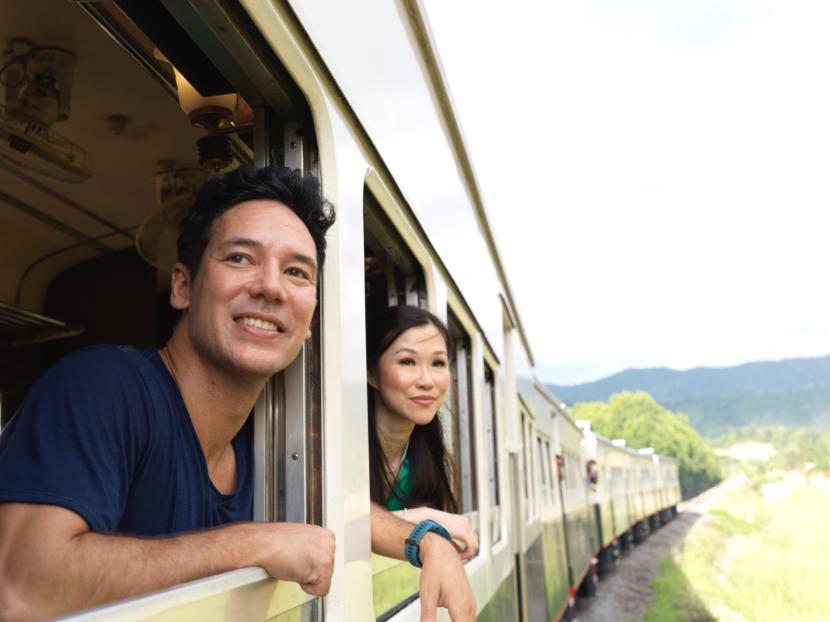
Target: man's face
(250,306)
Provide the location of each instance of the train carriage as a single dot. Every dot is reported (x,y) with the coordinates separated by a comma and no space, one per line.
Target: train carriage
(155,96)
(580,527)
(606,494)
(669,487)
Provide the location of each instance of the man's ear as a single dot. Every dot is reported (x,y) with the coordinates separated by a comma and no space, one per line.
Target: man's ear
(180,284)
(372,377)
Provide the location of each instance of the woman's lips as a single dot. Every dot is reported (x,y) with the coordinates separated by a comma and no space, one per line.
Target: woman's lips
(424,400)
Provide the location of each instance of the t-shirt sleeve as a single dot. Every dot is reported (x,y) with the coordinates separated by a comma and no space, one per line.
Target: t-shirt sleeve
(78,437)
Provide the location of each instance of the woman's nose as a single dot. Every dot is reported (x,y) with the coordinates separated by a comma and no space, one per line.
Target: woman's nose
(425,377)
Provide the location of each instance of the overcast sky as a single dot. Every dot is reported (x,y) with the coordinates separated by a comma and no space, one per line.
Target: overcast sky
(657,173)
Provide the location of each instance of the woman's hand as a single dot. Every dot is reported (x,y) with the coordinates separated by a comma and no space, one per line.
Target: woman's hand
(459,527)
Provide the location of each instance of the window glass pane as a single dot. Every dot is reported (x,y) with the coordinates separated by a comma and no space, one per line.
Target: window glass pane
(489,418)
(489,404)
(525,464)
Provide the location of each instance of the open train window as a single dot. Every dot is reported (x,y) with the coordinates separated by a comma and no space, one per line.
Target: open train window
(546,481)
(549,469)
(543,480)
(131,142)
(529,479)
(462,427)
(392,275)
(489,406)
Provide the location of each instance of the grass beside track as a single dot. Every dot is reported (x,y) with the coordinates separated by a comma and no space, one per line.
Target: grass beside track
(757,557)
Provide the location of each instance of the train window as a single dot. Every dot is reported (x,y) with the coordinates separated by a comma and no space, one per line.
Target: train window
(463,427)
(573,477)
(543,479)
(529,479)
(489,405)
(392,276)
(549,468)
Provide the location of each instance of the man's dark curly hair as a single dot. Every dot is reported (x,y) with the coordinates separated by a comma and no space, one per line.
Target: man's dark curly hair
(247,183)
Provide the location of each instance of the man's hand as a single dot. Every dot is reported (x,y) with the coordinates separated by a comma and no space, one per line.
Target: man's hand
(51,564)
(300,553)
(444,582)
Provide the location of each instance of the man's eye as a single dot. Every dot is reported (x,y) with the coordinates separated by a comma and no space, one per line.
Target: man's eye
(237,258)
(298,273)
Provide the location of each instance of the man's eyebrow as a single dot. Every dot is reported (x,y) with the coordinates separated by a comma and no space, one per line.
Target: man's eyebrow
(310,261)
(250,243)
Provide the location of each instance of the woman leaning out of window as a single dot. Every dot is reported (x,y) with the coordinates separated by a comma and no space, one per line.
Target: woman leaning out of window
(408,372)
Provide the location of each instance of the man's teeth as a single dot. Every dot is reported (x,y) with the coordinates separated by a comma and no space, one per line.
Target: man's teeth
(258,323)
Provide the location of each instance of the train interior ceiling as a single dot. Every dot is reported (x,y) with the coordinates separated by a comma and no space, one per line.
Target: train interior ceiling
(95,148)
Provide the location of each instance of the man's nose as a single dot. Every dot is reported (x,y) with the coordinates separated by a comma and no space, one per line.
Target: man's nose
(268,283)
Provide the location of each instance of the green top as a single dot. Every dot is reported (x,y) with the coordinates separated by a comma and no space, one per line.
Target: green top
(403,488)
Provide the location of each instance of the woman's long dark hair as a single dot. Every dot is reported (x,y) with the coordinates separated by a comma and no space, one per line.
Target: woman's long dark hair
(429,466)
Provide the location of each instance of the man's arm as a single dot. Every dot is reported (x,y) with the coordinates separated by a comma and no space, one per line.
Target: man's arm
(444,582)
(50,563)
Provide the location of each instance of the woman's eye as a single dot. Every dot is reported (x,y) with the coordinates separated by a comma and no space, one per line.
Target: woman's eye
(407,361)
(440,363)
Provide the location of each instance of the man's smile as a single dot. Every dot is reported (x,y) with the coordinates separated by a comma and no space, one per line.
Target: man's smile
(265,324)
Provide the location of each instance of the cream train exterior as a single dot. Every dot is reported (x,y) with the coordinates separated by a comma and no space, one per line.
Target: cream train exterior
(354,93)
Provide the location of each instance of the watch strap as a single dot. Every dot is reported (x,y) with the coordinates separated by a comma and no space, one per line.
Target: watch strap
(412,546)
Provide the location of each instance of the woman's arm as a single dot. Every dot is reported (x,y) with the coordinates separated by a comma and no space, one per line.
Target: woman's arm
(459,527)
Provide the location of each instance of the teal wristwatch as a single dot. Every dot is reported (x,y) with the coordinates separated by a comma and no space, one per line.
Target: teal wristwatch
(413,542)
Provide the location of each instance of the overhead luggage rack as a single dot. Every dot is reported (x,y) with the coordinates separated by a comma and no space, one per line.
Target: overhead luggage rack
(19,327)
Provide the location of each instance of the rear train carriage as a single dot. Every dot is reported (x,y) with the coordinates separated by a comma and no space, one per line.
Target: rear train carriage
(606,494)
(580,528)
(669,486)
(651,487)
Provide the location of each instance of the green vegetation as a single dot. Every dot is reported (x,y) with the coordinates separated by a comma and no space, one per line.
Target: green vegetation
(642,422)
(794,449)
(756,558)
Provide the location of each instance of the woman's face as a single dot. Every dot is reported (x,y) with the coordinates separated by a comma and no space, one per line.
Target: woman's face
(412,376)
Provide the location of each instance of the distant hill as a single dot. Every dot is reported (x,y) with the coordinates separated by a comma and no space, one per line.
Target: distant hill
(792,392)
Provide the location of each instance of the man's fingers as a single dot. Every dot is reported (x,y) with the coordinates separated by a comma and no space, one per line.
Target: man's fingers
(316,588)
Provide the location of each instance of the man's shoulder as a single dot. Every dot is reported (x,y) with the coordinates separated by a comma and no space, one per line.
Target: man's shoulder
(116,377)
(103,360)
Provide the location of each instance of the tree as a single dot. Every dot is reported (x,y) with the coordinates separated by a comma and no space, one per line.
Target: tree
(643,422)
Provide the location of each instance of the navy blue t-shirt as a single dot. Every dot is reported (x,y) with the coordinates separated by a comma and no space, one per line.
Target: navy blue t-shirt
(105,433)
